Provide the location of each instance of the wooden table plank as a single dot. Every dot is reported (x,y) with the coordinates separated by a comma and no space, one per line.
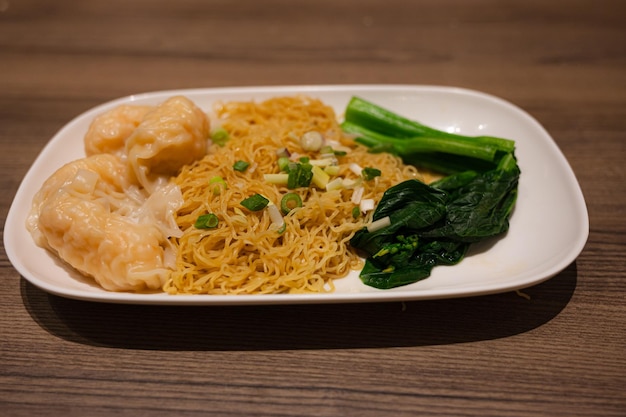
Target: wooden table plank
(559,353)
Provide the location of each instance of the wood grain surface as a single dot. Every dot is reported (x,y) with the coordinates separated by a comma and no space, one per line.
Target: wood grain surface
(560,353)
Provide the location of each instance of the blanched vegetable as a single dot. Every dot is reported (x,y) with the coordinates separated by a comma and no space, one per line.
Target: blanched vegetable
(384,131)
(432,224)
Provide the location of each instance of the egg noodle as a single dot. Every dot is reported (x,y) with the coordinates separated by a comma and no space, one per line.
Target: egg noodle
(246,253)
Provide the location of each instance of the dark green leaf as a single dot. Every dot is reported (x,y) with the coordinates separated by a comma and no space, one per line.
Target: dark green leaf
(370,173)
(241,166)
(255,202)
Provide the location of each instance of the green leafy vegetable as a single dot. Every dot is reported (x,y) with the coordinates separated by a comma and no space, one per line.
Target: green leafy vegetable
(384,131)
(479,206)
(430,226)
(433,224)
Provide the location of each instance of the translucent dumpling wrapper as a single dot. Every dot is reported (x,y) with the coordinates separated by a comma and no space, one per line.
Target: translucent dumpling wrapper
(173,134)
(94,217)
(108,132)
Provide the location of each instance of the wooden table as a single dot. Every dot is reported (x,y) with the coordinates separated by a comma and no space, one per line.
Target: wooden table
(560,353)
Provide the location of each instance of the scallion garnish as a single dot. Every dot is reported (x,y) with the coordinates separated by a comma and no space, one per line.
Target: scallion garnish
(283,163)
(277,179)
(241,166)
(206,221)
(220,136)
(328,150)
(300,175)
(255,202)
(289,202)
(312,141)
(218,184)
(370,173)
(367,204)
(356,168)
(379,224)
(277,219)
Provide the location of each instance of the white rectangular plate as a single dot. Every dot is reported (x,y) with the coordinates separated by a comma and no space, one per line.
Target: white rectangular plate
(549,226)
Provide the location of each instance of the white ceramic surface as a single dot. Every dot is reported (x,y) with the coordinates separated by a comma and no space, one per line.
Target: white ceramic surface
(548,230)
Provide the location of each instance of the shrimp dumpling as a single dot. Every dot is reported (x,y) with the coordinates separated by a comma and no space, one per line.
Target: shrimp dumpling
(172,135)
(108,132)
(86,214)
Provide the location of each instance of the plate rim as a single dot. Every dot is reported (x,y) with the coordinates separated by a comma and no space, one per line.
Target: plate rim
(11,226)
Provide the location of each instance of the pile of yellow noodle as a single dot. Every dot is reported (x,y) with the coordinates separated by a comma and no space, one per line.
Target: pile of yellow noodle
(245,253)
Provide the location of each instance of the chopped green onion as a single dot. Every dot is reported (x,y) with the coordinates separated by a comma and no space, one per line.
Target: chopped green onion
(289,202)
(351,183)
(370,173)
(220,136)
(218,184)
(300,175)
(335,184)
(356,212)
(277,219)
(320,178)
(276,179)
(324,162)
(255,202)
(332,169)
(283,163)
(379,224)
(328,150)
(206,221)
(241,166)
(312,141)
(367,204)
(356,168)
(304,159)
(357,194)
